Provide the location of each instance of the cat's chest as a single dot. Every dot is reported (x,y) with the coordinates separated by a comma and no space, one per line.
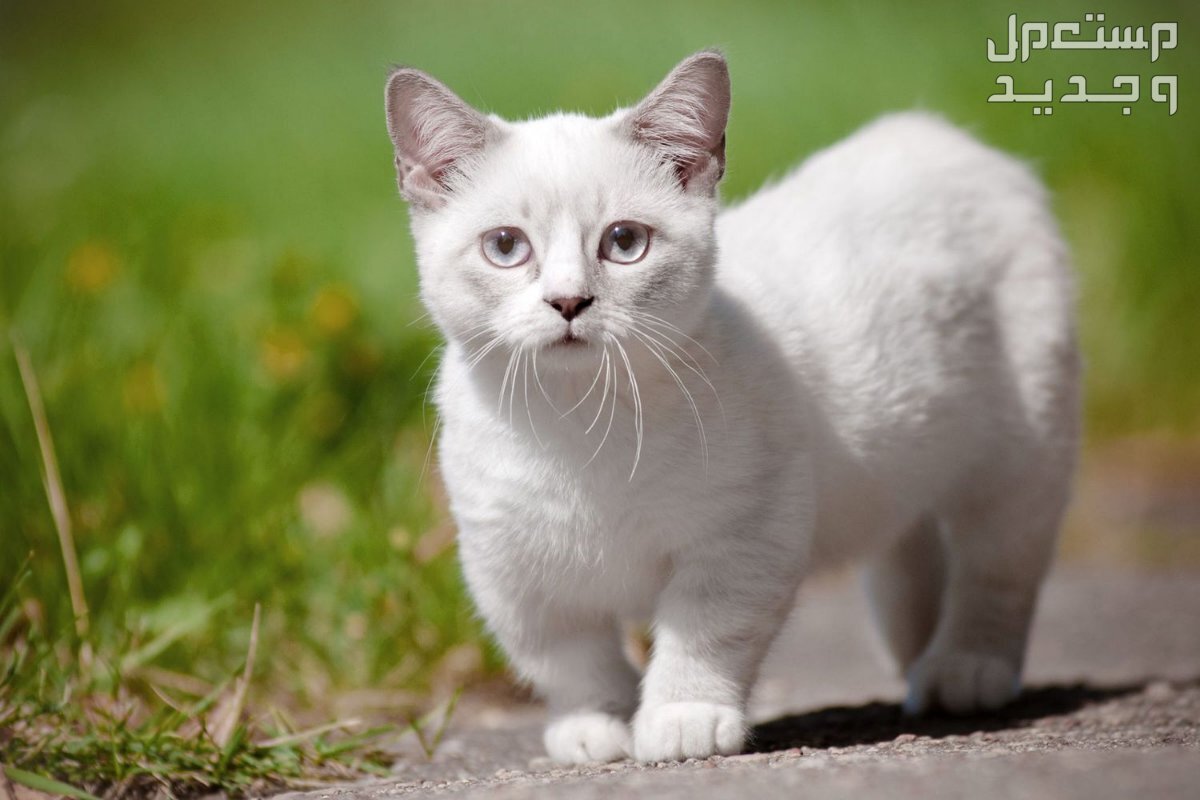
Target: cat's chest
(587,534)
(525,489)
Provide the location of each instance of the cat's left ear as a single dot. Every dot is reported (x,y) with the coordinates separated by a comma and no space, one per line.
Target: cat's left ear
(434,133)
(684,119)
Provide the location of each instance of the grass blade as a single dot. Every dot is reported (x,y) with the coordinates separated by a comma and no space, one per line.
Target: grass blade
(227,718)
(41,783)
(52,480)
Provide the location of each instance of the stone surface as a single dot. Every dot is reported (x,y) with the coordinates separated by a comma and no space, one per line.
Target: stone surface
(1112,710)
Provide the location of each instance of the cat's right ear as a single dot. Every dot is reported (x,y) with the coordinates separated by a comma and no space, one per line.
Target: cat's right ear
(684,120)
(434,133)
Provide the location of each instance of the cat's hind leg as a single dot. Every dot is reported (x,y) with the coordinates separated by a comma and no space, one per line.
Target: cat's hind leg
(999,541)
(1020,367)
(904,586)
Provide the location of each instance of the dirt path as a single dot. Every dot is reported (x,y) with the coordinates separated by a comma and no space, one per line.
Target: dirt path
(1113,710)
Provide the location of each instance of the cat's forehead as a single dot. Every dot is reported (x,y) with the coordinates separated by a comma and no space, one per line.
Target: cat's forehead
(568,163)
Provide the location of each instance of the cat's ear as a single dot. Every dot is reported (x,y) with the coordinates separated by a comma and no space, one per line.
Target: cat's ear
(684,119)
(433,133)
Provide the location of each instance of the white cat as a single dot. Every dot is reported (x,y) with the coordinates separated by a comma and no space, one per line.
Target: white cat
(653,409)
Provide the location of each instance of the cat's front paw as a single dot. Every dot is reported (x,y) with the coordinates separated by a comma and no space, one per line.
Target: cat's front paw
(960,682)
(675,731)
(591,737)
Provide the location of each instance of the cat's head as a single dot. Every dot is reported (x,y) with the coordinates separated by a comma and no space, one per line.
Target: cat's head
(558,232)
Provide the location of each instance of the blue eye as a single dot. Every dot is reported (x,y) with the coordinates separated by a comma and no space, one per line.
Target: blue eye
(506,247)
(625,242)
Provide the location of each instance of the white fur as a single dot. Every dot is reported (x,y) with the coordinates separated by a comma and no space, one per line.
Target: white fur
(879,365)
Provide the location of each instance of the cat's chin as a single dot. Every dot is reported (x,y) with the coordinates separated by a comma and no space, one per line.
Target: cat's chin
(570,351)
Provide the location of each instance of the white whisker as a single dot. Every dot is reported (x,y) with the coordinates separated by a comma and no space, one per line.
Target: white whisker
(670,347)
(651,348)
(637,406)
(603,393)
(425,360)
(417,320)
(656,320)
(613,411)
(512,358)
(537,378)
(437,425)
(475,331)
(663,338)
(588,393)
(528,412)
(512,392)
(425,398)
(482,352)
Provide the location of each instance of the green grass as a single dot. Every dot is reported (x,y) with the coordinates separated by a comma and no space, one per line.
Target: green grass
(202,249)
(86,721)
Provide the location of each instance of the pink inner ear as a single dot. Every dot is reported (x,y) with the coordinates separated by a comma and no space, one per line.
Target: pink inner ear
(432,131)
(709,170)
(418,185)
(684,119)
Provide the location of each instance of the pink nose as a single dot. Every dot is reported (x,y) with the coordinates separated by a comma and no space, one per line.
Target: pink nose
(570,307)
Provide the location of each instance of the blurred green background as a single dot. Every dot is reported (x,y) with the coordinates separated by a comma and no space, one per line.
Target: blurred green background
(202,248)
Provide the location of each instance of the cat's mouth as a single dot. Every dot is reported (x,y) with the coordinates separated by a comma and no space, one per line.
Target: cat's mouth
(569,339)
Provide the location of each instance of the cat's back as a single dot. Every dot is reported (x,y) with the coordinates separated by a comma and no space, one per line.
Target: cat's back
(905,231)
(913,276)
(906,194)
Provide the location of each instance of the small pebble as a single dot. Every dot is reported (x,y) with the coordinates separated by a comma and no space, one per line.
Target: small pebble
(749,758)
(1159,690)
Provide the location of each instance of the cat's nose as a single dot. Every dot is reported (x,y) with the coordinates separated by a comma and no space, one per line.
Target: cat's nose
(570,307)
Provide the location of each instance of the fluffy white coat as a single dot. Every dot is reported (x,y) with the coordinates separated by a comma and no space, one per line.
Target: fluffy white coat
(872,358)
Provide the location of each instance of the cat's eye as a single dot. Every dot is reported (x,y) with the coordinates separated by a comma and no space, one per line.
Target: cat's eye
(506,247)
(625,242)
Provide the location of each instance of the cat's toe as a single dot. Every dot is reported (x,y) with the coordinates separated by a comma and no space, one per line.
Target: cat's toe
(675,731)
(587,738)
(961,683)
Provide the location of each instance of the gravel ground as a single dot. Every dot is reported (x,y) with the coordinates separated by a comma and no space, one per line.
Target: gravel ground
(1112,710)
